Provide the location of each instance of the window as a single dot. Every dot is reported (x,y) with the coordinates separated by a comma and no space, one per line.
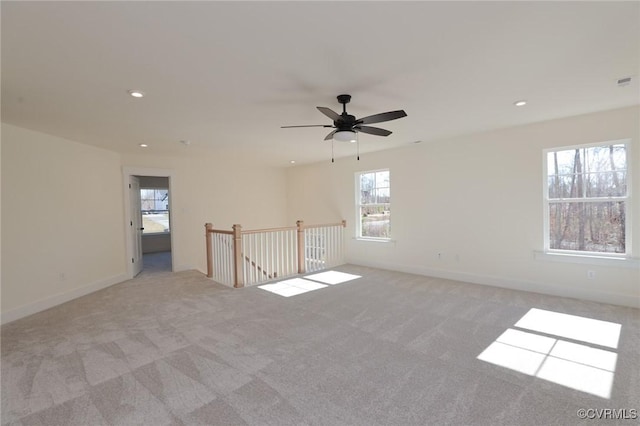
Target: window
(374,204)
(155,210)
(587,199)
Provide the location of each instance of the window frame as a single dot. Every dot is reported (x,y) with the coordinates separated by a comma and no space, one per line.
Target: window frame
(359,205)
(627,199)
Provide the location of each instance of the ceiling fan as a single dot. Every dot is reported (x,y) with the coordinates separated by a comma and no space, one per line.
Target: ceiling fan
(346,126)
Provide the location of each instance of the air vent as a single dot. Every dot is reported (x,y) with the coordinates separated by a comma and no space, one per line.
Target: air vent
(624,81)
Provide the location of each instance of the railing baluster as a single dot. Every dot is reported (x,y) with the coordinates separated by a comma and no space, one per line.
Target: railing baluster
(249,254)
(276,254)
(220,264)
(222,249)
(254,270)
(334,229)
(254,255)
(229,262)
(245,267)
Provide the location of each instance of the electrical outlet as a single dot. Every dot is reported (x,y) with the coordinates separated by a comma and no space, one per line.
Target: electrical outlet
(591,275)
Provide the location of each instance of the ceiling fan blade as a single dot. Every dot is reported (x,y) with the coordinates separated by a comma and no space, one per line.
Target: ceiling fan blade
(373,130)
(379,118)
(330,113)
(330,135)
(306,125)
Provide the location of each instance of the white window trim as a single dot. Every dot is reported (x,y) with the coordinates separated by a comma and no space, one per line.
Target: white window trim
(606,259)
(587,259)
(358,220)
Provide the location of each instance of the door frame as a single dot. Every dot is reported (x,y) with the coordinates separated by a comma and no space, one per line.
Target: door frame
(136,229)
(142,171)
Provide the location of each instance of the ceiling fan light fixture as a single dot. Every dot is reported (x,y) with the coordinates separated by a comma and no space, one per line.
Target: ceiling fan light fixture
(345,136)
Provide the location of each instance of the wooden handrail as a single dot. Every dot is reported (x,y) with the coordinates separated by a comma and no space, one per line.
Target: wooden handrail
(220,231)
(256,231)
(327,225)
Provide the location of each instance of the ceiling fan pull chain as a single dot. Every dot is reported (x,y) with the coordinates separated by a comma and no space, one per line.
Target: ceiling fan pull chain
(358,145)
(332,150)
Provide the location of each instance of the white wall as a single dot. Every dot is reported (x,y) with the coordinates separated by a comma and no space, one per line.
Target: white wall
(154,182)
(63,214)
(155,243)
(477,197)
(217,190)
(62,227)
(477,200)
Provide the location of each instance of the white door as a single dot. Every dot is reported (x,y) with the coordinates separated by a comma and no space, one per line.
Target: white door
(135,224)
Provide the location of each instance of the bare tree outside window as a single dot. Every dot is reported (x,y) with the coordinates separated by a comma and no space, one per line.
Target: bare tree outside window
(587,198)
(374,199)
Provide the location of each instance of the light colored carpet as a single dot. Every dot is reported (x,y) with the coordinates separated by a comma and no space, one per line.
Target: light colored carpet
(385,349)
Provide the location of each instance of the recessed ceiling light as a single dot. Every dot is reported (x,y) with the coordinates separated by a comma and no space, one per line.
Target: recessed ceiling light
(293,161)
(143,145)
(520,103)
(136,93)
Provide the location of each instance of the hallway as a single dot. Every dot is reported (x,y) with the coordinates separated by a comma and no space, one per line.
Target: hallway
(155,263)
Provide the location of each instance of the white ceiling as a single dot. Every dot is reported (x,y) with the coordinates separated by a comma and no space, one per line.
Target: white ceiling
(227,75)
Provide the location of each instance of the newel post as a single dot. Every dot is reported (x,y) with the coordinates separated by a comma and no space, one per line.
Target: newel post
(208,227)
(300,225)
(238,278)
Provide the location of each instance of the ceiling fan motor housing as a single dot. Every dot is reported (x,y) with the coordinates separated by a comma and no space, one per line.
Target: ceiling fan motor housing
(344,99)
(346,122)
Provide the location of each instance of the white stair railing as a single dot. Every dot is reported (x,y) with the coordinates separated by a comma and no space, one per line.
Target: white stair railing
(323,246)
(222,264)
(268,254)
(250,257)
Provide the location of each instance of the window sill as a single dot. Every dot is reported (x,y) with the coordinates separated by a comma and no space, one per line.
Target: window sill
(588,259)
(375,240)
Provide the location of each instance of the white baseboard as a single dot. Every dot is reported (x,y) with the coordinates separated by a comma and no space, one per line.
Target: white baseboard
(180,268)
(50,302)
(513,284)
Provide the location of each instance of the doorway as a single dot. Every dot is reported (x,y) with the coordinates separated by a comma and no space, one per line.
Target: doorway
(150,231)
(156,223)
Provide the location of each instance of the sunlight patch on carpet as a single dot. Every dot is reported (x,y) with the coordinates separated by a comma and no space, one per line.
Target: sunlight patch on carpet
(549,357)
(332,277)
(292,287)
(603,333)
(295,286)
